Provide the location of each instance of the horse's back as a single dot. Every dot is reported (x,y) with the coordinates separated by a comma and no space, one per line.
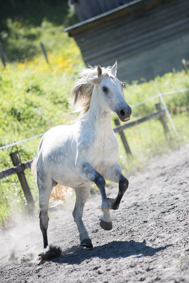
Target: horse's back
(55,138)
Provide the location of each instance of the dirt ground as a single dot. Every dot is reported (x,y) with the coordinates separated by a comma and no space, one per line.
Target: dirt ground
(149,241)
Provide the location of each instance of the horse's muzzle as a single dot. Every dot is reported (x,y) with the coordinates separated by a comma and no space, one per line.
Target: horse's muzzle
(124,114)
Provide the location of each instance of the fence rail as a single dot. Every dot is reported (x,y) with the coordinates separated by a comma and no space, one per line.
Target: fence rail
(15,170)
(120,128)
(154,115)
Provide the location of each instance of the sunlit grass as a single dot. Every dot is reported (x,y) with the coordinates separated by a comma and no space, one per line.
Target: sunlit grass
(149,140)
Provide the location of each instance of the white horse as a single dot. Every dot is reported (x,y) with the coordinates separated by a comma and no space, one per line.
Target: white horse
(79,155)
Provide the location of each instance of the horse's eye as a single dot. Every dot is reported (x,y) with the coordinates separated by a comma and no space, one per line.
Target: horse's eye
(105,89)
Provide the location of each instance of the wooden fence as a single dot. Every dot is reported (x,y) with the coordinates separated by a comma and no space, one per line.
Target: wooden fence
(20,167)
(3,55)
(119,129)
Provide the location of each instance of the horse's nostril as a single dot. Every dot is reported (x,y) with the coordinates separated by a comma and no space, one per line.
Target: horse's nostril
(122,112)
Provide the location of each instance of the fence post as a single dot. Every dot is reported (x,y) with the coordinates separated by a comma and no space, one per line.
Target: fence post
(22,178)
(44,52)
(123,138)
(168,114)
(162,119)
(2,55)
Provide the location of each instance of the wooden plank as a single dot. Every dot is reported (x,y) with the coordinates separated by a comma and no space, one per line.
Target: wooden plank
(15,170)
(119,129)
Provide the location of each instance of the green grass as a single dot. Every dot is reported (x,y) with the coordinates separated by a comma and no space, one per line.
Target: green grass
(34,97)
(149,140)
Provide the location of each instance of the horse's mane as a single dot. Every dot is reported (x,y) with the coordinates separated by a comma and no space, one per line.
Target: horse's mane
(80,97)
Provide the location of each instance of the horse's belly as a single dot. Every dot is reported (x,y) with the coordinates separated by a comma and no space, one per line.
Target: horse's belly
(67,177)
(61,168)
(71,181)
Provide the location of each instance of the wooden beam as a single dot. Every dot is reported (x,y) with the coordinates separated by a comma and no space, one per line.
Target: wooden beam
(15,170)
(120,128)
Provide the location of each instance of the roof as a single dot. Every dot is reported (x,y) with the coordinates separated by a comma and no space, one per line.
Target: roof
(68,29)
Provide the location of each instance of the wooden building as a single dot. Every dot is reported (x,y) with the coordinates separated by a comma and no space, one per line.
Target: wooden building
(86,9)
(146,37)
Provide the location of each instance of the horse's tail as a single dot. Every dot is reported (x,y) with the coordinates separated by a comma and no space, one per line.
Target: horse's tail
(33,167)
(59,192)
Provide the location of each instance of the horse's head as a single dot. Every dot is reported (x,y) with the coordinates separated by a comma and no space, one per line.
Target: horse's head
(111,94)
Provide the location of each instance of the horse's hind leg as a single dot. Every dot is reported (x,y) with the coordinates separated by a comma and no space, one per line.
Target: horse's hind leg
(45,185)
(82,195)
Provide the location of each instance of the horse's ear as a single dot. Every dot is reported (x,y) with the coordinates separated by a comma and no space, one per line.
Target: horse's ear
(114,69)
(99,71)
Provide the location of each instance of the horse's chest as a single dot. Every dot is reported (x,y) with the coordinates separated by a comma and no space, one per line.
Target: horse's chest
(103,154)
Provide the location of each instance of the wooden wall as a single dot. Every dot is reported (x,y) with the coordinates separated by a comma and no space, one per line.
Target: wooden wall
(148,38)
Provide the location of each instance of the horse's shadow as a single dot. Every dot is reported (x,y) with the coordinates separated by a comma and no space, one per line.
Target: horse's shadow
(115,249)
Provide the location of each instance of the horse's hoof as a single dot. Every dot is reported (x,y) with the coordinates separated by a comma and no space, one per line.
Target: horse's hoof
(106,225)
(87,243)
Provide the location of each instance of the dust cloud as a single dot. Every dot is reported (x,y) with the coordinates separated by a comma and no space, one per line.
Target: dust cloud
(22,241)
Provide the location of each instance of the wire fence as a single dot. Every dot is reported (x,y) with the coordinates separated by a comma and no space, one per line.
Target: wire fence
(160,95)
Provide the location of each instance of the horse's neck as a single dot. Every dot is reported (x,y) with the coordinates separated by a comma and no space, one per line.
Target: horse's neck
(98,117)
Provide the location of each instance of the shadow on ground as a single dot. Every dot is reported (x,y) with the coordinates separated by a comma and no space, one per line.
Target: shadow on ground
(115,249)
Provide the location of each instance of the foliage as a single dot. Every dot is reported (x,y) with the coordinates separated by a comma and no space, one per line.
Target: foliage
(140,91)
(24,24)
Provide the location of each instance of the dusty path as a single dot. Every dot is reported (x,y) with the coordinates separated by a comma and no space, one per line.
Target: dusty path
(149,241)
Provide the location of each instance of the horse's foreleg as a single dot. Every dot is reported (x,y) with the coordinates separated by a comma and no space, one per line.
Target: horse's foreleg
(114,174)
(87,172)
(123,185)
(106,221)
(82,195)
